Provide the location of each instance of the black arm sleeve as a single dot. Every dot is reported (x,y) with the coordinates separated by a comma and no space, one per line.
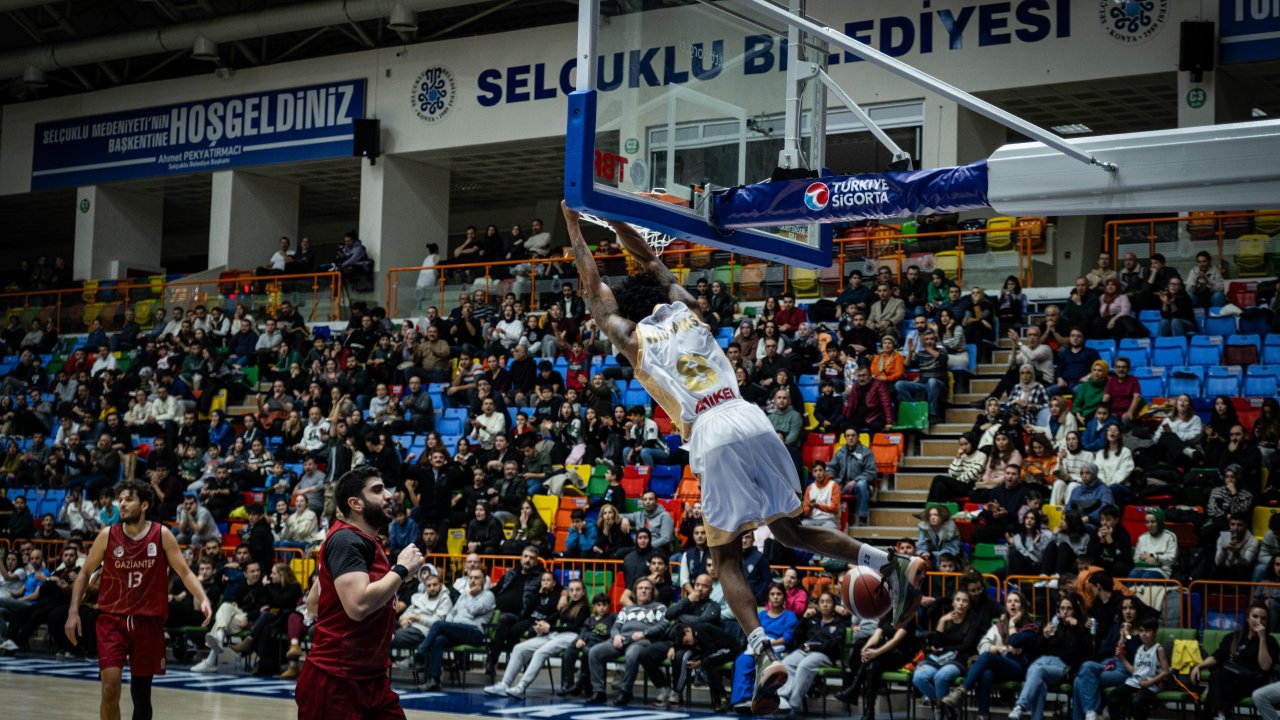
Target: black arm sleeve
(346,552)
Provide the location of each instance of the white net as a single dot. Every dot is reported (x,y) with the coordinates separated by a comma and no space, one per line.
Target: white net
(656,240)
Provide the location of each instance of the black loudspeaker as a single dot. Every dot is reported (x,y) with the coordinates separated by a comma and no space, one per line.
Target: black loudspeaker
(365,142)
(1199,47)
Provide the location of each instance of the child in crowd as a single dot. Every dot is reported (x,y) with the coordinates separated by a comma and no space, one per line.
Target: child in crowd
(1147,673)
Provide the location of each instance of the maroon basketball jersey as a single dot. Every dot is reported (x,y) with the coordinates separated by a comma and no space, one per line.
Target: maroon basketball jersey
(135,574)
(346,648)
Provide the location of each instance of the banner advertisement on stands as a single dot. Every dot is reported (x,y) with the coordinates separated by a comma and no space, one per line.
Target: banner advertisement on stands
(276,126)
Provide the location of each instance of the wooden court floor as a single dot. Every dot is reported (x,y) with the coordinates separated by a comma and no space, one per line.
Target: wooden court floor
(51,698)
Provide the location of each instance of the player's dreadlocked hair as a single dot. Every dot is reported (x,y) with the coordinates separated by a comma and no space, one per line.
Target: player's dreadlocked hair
(639,294)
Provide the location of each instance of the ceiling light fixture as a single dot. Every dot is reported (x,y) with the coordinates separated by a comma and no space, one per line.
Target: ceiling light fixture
(204,49)
(1072,129)
(402,19)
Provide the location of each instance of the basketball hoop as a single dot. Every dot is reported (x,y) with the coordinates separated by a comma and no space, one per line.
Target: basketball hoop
(655,240)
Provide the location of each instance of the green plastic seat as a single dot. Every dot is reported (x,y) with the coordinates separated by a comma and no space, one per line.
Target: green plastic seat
(913,416)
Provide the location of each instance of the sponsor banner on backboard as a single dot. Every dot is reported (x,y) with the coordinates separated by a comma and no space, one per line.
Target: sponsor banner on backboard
(844,198)
(288,125)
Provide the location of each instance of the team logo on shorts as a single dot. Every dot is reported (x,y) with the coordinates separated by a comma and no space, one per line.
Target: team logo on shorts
(118,552)
(151,549)
(816,196)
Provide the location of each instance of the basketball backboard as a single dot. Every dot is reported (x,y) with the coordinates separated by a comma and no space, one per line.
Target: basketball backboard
(677,95)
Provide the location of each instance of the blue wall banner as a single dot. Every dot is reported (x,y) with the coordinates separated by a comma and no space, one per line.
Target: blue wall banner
(852,197)
(1249,31)
(275,126)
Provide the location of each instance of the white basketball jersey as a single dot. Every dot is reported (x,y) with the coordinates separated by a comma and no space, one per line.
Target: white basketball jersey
(681,365)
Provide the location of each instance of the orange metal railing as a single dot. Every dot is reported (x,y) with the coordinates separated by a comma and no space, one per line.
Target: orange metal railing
(885,244)
(72,310)
(1203,226)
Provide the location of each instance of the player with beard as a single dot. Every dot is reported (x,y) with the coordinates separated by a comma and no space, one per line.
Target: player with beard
(746,473)
(345,673)
(133,597)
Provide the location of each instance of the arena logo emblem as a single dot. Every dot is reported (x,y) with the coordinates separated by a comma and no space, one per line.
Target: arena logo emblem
(433,94)
(1133,21)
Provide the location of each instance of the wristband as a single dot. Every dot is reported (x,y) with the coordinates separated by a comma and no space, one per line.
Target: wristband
(400,570)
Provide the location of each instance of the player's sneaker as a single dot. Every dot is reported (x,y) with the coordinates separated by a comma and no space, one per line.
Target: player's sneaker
(904,575)
(771,675)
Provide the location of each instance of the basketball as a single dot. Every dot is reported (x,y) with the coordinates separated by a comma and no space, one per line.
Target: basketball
(865,592)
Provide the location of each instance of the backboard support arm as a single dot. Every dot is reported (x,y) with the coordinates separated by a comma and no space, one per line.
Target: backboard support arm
(875,57)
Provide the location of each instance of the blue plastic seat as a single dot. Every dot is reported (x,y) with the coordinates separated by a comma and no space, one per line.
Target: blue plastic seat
(1205,350)
(809,393)
(1260,382)
(1219,325)
(637,396)
(1138,350)
(664,480)
(1271,350)
(1185,380)
(1223,381)
(1106,349)
(449,426)
(1151,320)
(1169,351)
(459,413)
(1151,381)
(804,380)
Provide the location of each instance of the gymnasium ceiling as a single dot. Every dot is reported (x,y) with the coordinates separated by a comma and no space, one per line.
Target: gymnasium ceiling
(506,174)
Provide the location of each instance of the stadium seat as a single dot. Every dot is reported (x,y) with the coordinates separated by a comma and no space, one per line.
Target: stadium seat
(664,480)
(1223,381)
(1205,350)
(1150,319)
(1251,255)
(913,416)
(1169,351)
(1215,324)
(888,449)
(1245,350)
(989,559)
(637,396)
(1260,382)
(1151,380)
(1138,350)
(1106,349)
(809,393)
(635,479)
(1185,380)
(1002,239)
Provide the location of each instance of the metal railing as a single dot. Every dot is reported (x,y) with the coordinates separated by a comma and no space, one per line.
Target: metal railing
(744,276)
(72,310)
(1219,226)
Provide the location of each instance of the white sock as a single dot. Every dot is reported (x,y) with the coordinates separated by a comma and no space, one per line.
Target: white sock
(873,557)
(757,640)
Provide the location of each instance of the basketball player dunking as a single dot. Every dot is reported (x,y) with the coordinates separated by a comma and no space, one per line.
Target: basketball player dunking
(746,474)
(133,598)
(353,600)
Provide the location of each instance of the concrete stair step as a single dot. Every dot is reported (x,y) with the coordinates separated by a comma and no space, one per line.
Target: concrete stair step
(996,369)
(938,462)
(983,385)
(950,428)
(895,517)
(967,397)
(882,535)
(913,481)
(945,447)
(967,416)
(915,497)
